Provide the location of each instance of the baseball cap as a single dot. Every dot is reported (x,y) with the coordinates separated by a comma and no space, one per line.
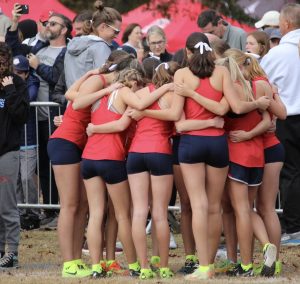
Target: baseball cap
(21,63)
(270,18)
(44,17)
(275,34)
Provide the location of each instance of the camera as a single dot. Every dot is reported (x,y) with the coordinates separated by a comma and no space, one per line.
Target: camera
(24,9)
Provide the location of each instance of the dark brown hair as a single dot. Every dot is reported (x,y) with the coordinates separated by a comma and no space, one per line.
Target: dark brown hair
(149,64)
(164,74)
(6,64)
(103,14)
(128,31)
(201,65)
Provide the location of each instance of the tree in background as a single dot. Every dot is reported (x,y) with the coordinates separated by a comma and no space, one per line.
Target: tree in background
(228,7)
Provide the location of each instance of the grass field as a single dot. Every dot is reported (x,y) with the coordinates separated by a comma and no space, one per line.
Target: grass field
(40,263)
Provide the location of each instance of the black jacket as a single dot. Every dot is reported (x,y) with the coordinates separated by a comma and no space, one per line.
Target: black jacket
(14,112)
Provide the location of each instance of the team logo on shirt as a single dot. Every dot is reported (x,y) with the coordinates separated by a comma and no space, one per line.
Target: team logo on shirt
(2,103)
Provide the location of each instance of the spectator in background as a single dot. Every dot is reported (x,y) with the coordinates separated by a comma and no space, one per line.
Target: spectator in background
(14,109)
(274,38)
(257,44)
(132,37)
(156,40)
(5,23)
(281,64)
(211,22)
(91,51)
(27,29)
(27,183)
(269,20)
(80,21)
(46,58)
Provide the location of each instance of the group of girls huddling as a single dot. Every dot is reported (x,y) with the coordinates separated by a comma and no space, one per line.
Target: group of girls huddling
(207,126)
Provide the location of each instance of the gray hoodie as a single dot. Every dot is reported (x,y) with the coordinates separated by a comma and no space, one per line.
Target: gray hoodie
(84,53)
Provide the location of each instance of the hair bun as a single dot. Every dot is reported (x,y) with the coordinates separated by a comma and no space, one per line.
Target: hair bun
(99,5)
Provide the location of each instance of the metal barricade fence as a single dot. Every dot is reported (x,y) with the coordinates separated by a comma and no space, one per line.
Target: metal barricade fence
(51,205)
(39,205)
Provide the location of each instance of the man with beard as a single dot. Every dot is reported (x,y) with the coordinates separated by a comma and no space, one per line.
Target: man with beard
(47,60)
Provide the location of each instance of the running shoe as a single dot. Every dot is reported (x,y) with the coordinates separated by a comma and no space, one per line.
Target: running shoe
(147,273)
(134,269)
(113,267)
(270,252)
(224,265)
(166,272)
(155,263)
(239,271)
(98,271)
(198,274)
(75,269)
(9,260)
(278,267)
(190,265)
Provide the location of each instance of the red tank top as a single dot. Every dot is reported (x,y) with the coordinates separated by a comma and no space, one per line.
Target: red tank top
(75,123)
(269,138)
(104,146)
(152,135)
(193,110)
(247,153)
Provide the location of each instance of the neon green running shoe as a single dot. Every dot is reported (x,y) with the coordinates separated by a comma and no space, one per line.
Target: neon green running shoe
(147,273)
(278,267)
(198,274)
(155,263)
(166,272)
(72,270)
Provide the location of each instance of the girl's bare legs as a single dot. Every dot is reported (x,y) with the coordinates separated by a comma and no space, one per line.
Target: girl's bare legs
(81,221)
(215,183)
(67,178)
(229,226)
(120,196)
(186,213)
(161,194)
(265,202)
(111,231)
(238,193)
(194,179)
(139,187)
(95,189)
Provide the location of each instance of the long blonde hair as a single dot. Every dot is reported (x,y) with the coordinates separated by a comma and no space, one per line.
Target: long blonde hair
(236,75)
(253,69)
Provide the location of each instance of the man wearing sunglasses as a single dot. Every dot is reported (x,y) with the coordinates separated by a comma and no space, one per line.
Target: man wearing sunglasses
(47,61)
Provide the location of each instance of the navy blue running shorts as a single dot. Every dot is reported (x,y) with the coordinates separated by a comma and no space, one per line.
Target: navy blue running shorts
(63,152)
(274,154)
(248,176)
(110,171)
(211,150)
(175,146)
(157,164)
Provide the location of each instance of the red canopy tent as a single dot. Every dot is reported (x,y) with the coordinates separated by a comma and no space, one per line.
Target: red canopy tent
(182,22)
(36,8)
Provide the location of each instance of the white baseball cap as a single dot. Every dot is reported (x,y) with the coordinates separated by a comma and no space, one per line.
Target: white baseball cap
(270,18)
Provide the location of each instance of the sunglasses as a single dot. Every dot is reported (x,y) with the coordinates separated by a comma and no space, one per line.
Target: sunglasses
(53,24)
(116,31)
(44,24)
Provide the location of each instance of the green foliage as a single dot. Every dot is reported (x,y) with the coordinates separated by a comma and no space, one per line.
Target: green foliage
(228,7)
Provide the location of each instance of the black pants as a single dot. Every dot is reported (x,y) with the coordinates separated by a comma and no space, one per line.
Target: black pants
(44,167)
(288,132)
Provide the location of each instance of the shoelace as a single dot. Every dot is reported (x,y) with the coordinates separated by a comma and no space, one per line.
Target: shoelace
(6,259)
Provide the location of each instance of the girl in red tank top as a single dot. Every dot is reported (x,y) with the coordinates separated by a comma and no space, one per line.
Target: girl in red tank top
(71,134)
(249,67)
(104,151)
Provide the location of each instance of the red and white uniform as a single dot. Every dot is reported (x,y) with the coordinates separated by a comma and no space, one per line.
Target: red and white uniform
(248,153)
(193,110)
(152,135)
